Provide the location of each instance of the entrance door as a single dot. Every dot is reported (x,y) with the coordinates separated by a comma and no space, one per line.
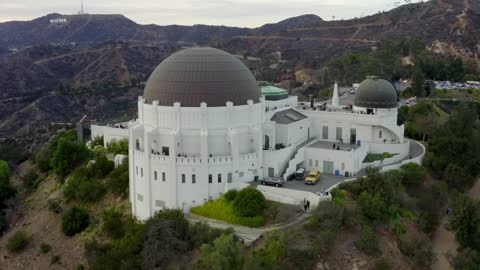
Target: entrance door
(267,142)
(353,136)
(271,172)
(328,167)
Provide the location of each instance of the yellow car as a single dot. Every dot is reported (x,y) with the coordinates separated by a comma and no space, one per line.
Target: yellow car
(312,177)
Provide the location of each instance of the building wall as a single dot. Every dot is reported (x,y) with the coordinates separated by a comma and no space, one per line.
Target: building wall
(109,133)
(351,160)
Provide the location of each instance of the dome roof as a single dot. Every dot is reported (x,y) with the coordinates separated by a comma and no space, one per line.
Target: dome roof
(376,93)
(201,74)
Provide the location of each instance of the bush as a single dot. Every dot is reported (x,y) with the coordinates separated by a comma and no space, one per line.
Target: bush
(467,259)
(249,202)
(30,179)
(230,195)
(419,251)
(373,207)
(44,248)
(54,206)
(67,155)
(96,142)
(118,147)
(79,186)
(113,223)
(17,242)
(75,221)
(224,253)
(117,180)
(412,174)
(55,259)
(368,242)
(102,166)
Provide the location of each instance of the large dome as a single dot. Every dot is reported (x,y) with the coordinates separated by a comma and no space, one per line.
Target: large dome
(195,75)
(375,93)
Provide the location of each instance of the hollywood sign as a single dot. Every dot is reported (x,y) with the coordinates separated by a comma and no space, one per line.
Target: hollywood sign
(59,20)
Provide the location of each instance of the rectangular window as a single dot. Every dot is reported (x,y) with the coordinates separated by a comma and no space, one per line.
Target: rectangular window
(164,177)
(155,175)
(210,178)
(229,178)
(136,169)
(380,134)
(165,151)
(310,162)
(140,197)
(241,174)
(160,204)
(316,163)
(183,178)
(343,166)
(325,132)
(219,178)
(194,178)
(339,134)
(141,172)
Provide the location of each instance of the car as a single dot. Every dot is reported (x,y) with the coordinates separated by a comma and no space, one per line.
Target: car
(300,174)
(352,92)
(312,177)
(273,181)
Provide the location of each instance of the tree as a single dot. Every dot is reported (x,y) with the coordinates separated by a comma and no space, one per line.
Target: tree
(418,83)
(467,259)
(373,206)
(67,155)
(113,223)
(117,180)
(75,220)
(465,221)
(7,191)
(102,166)
(413,174)
(224,254)
(249,202)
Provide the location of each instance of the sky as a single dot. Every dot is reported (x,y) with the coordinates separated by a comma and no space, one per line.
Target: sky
(244,13)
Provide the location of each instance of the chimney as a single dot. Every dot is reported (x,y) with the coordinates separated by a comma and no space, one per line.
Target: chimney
(335,101)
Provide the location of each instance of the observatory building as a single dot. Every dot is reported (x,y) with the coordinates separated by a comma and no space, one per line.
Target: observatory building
(204,125)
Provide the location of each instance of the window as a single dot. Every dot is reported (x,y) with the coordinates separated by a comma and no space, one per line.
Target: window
(140,197)
(183,178)
(343,166)
(209,178)
(136,169)
(165,151)
(380,134)
(164,177)
(310,162)
(160,204)
(241,174)
(353,135)
(339,134)
(229,178)
(325,132)
(155,175)
(141,172)
(219,178)
(194,178)
(316,163)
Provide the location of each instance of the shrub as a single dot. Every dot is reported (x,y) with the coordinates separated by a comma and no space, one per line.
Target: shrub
(230,195)
(419,251)
(55,259)
(102,166)
(373,207)
(75,221)
(30,179)
(83,188)
(412,174)
(368,242)
(467,259)
(17,242)
(117,180)
(249,202)
(96,142)
(224,253)
(67,155)
(118,147)
(44,247)
(54,206)
(113,224)
(382,264)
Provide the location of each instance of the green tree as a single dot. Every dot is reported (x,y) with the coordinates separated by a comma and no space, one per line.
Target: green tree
(7,191)
(465,221)
(373,206)
(224,254)
(418,83)
(117,180)
(413,174)
(467,259)
(67,155)
(249,202)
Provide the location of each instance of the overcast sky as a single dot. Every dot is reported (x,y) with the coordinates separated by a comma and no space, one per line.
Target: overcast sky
(249,13)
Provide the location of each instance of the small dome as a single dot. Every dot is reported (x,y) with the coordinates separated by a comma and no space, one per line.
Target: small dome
(376,93)
(201,74)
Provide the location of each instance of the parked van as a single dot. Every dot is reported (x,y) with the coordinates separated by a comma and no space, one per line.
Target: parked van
(300,174)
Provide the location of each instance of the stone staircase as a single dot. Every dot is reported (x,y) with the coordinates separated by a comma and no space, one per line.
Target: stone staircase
(297,156)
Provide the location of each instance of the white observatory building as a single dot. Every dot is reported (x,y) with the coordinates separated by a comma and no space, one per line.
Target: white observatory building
(204,125)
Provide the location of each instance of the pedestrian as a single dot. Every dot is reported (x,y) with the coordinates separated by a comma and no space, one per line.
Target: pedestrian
(333,146)
(308,205)
(305,207)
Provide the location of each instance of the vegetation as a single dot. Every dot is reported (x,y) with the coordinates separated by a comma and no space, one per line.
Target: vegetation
(17,242)
(224,253)
(97,142)
(112,223)
(371,157)
(117,180)
(249,202)
(7,191)
(81,187)
(30,179)
(75,221)
(118,147)
(45,248)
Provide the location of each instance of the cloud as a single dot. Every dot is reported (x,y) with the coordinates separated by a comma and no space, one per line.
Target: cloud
(250,13)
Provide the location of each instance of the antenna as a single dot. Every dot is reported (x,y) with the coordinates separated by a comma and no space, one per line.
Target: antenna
(82,10)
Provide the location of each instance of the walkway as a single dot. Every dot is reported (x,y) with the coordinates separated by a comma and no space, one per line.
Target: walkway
(248,235)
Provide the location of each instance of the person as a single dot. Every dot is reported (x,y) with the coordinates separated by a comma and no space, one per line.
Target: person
(308,205)
(305,207)
(333,146)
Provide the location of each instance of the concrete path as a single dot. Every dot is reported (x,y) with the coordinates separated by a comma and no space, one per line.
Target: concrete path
(248,235)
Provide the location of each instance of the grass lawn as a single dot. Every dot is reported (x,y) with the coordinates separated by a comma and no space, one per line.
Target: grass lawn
(371,157)
(222,209)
